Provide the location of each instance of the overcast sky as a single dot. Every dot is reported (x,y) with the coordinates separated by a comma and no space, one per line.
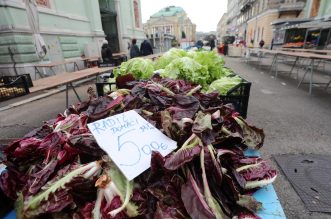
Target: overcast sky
(204,13)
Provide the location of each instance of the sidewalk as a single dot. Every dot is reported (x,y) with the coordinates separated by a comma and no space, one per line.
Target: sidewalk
(27,115)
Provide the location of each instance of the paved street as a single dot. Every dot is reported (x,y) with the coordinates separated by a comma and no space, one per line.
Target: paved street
(294,122)
(17,121)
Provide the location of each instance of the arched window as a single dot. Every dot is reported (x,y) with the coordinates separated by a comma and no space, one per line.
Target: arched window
(136,13)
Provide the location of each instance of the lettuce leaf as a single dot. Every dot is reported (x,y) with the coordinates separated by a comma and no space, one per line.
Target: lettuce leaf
(187,69)
(140,68)
(224,85)
(168,57)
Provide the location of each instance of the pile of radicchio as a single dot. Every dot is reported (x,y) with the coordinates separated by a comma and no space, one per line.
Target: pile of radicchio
(59,171)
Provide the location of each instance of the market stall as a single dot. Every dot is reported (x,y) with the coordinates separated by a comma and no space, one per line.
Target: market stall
(169,145)
(287,34)
(318,34)
(302,33)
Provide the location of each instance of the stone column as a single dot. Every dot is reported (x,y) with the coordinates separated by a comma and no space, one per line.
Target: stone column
(122,42)
(93,11)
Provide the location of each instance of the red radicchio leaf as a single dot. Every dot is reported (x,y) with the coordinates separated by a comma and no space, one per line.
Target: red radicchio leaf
(186,153)
(8,184)
(184,107)
(115,203)
(26,146)
(86,210)
(194,200)
(37,180)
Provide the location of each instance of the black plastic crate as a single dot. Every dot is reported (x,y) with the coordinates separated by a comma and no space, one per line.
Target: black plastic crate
(239,97)
(9,79)
(13,86)
(103,85)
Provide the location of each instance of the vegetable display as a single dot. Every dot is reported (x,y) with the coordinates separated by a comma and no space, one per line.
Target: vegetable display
(59,171)
(200,67)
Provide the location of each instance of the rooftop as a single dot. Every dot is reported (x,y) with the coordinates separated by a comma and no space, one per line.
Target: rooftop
(168,11)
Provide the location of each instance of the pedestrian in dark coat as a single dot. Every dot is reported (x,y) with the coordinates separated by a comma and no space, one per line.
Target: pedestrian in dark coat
(199,44)
(261,44)
(134,50)
(146,48)
(106,52)
(212,44)
(226,48)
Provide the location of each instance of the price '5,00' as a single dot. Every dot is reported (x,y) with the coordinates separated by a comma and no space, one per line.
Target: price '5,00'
(145,149)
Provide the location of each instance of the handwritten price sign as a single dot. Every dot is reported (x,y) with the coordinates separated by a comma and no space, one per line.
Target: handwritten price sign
(129,141)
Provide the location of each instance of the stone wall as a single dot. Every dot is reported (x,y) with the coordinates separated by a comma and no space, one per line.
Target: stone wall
(66,26)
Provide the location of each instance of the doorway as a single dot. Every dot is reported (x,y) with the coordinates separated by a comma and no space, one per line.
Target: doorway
(110,28)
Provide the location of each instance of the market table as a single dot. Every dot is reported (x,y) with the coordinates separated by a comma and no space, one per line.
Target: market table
(322,51)
(51,65)
(116,56)
(66,79)
(313,58)
(305,55)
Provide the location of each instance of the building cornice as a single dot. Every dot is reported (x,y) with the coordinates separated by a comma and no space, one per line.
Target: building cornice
(21,5)
(50,31)
(263,13)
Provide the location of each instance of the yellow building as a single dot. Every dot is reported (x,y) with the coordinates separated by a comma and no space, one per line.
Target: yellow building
(171,20)
(256,17)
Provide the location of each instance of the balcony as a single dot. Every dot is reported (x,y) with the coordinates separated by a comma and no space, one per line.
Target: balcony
(246,4)
(295,7)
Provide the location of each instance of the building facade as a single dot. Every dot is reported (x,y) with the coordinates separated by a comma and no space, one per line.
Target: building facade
(171,20)
(67,28)
(256,16)
(317,9)
(233,12)
(222,27)
(129,22)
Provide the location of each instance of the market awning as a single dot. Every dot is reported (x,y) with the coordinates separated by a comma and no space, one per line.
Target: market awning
(285,21)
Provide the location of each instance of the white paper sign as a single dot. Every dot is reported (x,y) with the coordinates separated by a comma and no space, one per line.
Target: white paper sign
(129,141)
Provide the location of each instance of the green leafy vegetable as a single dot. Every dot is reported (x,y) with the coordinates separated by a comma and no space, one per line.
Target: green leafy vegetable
(168,57)
(140,68)
(223,85)
(213,62)
(188,69)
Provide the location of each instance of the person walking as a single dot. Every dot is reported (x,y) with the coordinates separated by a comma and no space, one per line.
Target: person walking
(134,50)
(212,44)
(226,48)
(199,44)
(146,48)
(261,44)
(106,52)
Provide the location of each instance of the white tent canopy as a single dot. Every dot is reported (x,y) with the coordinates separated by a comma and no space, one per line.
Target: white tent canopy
(33,18)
